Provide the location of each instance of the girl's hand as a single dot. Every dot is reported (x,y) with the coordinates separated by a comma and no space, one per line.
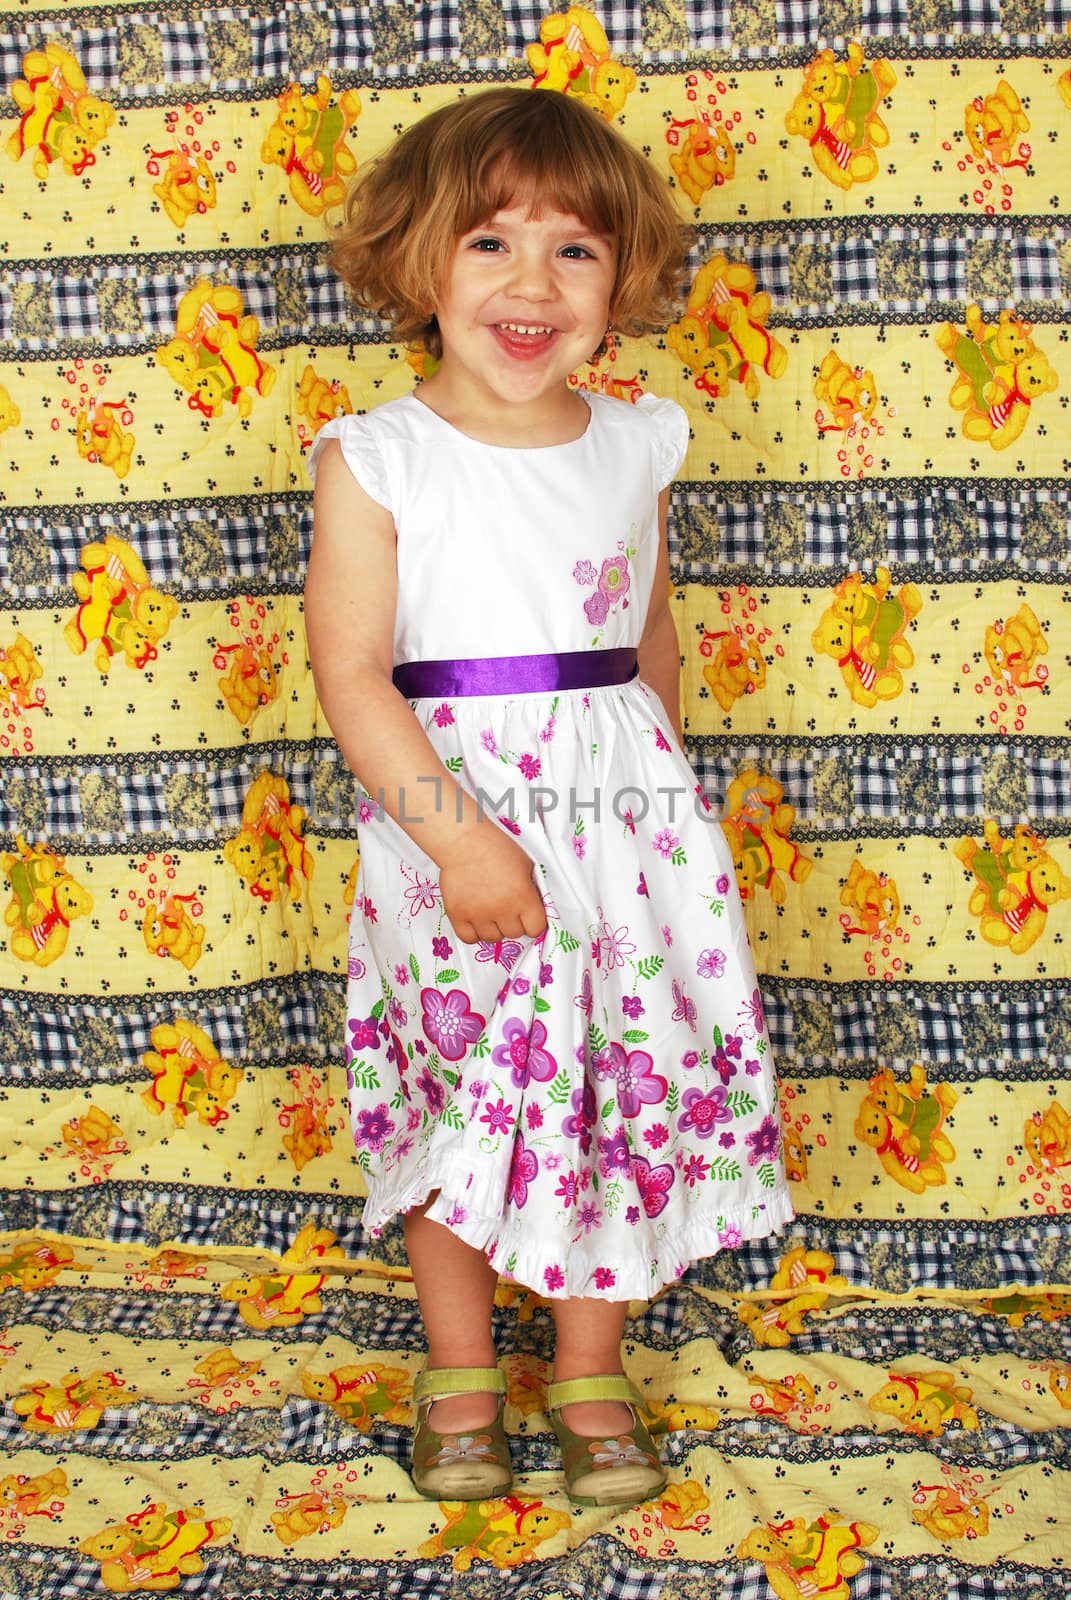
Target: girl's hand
(486,883)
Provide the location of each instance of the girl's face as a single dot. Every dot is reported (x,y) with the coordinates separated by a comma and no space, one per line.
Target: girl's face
(525,300)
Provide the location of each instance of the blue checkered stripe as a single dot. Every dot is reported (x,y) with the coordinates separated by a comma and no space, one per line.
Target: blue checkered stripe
(145,797)
(204,545)
(708,534)
(97,1042)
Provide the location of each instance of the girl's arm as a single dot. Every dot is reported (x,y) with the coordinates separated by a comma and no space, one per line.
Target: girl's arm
(485,878)
(659,651)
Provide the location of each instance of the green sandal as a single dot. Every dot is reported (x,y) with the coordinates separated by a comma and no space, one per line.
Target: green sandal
(474,1465)
(621,1471)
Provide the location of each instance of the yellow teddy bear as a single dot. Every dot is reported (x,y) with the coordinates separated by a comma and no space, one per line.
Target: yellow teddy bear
(100,438)
(706,159)
(45,900)
(33,1497)
(925,1402)
(874,901)
(187,188)
(10,415)
(1012,648)
(805,1559)
(904,1125)
(306,1514)
(308,140)
(118,606)
(723,334)
(19,670)
(60,120)
(573,57)
(1047,1138)
(757,824)
(738,668)
(992,123)
(850,392)
(506,1532)
(863,631)
(212,354)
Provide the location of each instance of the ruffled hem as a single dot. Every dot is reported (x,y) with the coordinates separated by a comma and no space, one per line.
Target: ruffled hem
(519,1258)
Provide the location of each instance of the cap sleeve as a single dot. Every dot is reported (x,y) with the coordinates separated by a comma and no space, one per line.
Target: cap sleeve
(360,452)
(669,425)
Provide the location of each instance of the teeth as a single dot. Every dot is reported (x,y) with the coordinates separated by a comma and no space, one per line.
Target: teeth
(520,327)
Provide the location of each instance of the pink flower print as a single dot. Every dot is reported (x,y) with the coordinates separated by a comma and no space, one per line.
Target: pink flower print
(366,809)
(523,1052)
(449,1023)
(477,1088)
(683,1008)
(546,974)
(722,1065)
(690,1058)
(581,1119)
(510,825)
(633,1072)
(373,1127)
(355,968)
(632,1216)
(398,1014)
(584,573)
(614,946)
(630,822)
(534,1116)
(370,912)
(722,884)
(632,1006)
(412,1118)
(614,1153)
(605,1277)
(752,1068)
(641,887)
(523,1169)
(585,999)
(364,1034)
(530,766)
(667,935)
(568,1189)
(654,1184)
(711,963)
(727,1140)
(730,1238)
(614,580)
(703,1112)
(497,1117)
(401,975)
(661,742)
(546,733)
(552,1160)
(422,893)
(443,715)
(588,1216)
(520,986)
(420,1047)
(695,1171)
(665,842)
(656,1135)
(734,1045)
(763,1142)
(489,742)
(597,608)
(554,1278)
(580,846)
(433,1092)
(441,948)
(705,803)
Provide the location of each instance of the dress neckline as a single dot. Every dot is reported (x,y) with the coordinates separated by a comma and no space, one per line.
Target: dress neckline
(510,449)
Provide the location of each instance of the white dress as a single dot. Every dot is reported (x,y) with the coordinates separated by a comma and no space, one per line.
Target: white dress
(596,1109)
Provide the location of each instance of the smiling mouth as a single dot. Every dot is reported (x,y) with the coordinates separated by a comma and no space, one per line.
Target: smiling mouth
(522,341)
(529,329)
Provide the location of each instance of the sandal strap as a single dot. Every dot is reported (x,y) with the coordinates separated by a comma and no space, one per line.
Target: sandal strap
(609,1386)
(438,1382)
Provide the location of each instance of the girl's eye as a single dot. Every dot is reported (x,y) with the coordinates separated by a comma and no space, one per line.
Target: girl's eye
(576,252)
(486,243)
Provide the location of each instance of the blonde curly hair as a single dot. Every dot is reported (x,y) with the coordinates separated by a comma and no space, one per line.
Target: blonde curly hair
(455,168)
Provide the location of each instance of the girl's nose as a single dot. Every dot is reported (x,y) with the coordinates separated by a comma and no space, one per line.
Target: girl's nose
(532,276)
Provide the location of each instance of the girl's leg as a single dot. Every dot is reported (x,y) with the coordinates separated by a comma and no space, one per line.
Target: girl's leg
(455,1286)
(589,1343)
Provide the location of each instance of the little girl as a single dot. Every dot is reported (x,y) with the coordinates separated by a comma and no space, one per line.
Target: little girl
(558,1064)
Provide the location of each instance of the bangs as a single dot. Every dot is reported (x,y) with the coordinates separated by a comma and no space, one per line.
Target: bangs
(541,165)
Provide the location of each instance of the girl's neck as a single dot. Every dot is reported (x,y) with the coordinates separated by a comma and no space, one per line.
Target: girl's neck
(556,418)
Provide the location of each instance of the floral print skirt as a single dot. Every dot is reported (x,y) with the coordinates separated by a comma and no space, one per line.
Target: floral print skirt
(595,1109)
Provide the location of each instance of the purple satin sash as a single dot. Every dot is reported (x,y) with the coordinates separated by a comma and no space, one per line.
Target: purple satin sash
(491,675)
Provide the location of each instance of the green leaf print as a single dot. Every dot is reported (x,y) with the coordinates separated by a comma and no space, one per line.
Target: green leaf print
(451,1115)
(397,1101)
(595,1182)
(447,975)
(364,1075)
(740,1102)
(678,858)
(607,1109)
(414,967)
(765,1175)
(612,1198)
(482,1047)
(673,1098)
(453,763)
(596,1040)
(566,941)
(634,1036)
(559,1089)
(377,1009)
(452,1078)
(724,1170)
(539,1004)
(650,966)
(363,1160)
(717,1036)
